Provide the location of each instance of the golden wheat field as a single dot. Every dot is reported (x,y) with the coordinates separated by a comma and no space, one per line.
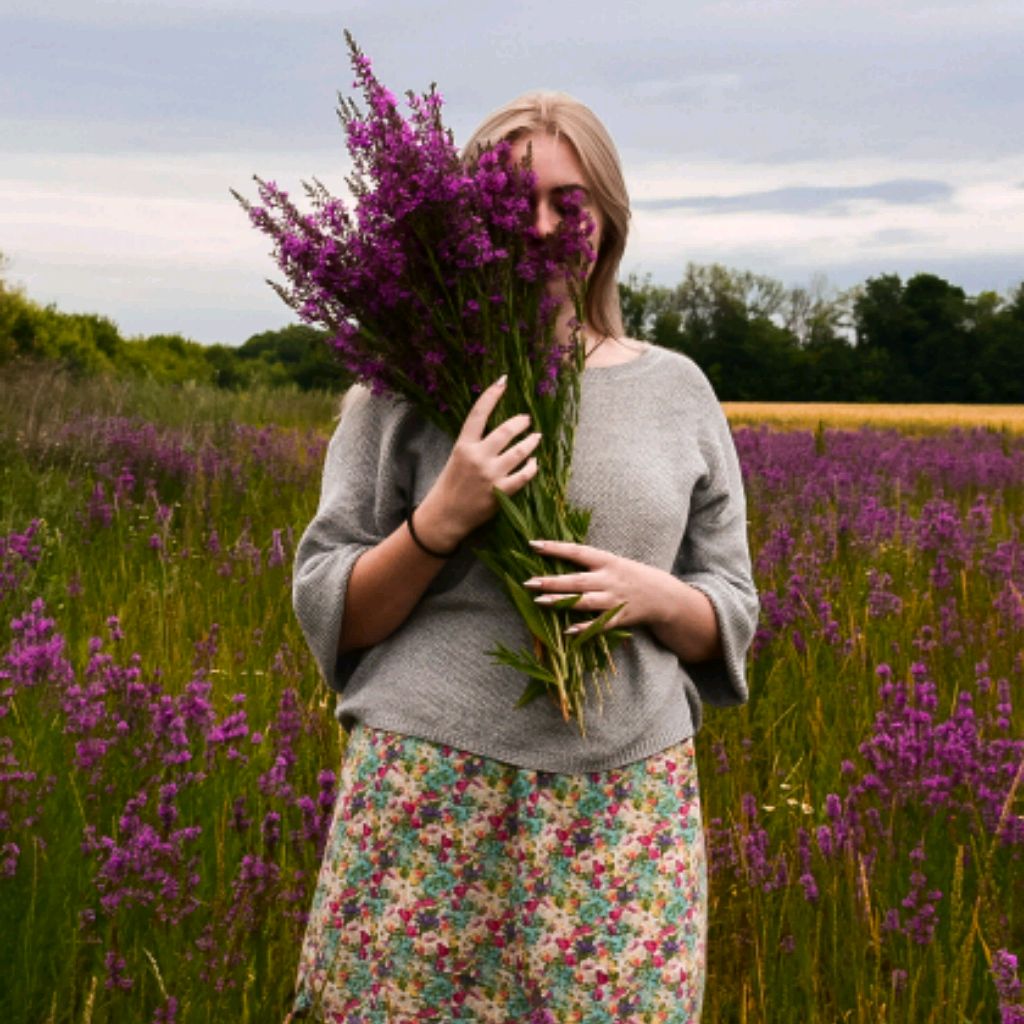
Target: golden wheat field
(848,415)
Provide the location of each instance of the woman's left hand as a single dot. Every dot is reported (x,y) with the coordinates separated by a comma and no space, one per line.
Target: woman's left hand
(606,581)
(680,616)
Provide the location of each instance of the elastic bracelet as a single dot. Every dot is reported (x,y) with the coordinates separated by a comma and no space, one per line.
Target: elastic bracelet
(423,547)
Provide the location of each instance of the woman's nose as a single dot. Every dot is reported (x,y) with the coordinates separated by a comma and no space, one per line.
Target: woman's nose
(545,219)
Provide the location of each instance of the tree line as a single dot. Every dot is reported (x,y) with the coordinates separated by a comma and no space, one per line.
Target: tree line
(922,340)
(88,344)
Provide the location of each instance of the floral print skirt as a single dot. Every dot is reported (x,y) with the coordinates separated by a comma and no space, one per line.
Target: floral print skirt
(459,888)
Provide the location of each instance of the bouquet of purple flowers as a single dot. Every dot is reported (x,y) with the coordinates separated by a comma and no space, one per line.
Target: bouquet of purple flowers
(434,285)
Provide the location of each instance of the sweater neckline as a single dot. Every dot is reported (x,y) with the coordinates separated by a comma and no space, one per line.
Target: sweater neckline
(622,371)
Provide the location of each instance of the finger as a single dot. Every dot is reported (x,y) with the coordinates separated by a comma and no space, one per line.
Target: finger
(578,627)
(476,421)
(514,457)
(559,600)
(516,481)
(501,436)
(582,553)
(570,582)
(593,601)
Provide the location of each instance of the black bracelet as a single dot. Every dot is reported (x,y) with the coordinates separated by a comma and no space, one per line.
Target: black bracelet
(423,547)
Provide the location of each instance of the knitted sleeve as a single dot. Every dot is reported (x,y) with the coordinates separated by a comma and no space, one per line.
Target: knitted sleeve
(714,558)
(363,499)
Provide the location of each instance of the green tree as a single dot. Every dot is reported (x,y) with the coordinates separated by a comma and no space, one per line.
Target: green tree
(926,329)
(296,354)
(998,334)
(169,358)
(229,370)
(885,341)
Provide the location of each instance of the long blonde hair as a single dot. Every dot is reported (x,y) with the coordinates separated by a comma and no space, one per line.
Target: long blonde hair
(563,116)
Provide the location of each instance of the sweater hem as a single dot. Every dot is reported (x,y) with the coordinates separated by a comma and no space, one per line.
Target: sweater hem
(639,750)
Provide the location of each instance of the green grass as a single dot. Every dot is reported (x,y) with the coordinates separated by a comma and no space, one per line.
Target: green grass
(774,955)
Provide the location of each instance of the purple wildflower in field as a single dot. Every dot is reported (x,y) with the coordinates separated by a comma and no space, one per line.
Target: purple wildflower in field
(19,553)
(123,451)
(882,602)
(99,511)
(761,866)
(23,794)
(145,773)
(920,905)
(807,880)
(1008,987)
(254,892)
(286,730)
(870,790)
(146,864)
(9,854)
(276,556)
(116,977)
(845,503)
(954,765)
(776,550)
(167,1013)
(246,552)
(36,655)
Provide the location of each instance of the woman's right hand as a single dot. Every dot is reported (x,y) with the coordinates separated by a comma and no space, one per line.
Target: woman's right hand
(462,497)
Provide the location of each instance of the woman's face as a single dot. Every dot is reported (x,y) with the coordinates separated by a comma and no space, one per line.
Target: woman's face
(557,170)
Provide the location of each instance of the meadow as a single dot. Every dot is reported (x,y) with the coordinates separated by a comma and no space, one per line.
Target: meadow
(168,755)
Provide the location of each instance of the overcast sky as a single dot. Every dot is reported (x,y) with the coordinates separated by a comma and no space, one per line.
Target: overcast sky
(788,137)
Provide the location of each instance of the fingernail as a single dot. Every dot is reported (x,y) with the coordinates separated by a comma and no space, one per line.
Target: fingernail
(573,629)
(537,544)
(501,381)
(533,581)
(548,598)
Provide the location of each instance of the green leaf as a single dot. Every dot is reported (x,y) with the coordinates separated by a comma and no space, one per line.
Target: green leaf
(523,661)
(597,625)
(529,612)
(508,508)
(528,562)
(534,689)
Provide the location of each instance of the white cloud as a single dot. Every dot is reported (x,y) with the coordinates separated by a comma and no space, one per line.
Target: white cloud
(774,95)
(984,219)
(157,243)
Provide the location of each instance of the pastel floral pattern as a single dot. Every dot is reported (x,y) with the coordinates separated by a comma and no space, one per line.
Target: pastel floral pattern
(455,887)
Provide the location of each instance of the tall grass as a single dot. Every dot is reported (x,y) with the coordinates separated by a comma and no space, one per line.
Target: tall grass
(167,751)
(159,523)
(865,808)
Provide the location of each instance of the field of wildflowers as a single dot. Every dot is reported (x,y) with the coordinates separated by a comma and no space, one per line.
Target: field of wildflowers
(168,756)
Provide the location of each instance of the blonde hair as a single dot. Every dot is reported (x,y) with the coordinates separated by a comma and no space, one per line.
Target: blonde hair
(563,116)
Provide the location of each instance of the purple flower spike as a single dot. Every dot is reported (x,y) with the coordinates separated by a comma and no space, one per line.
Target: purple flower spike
(1008,987)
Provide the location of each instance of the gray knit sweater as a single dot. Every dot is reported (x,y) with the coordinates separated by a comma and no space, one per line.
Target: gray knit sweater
(654,460)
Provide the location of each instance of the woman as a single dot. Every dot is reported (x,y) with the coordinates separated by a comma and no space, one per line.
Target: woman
(487,863)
